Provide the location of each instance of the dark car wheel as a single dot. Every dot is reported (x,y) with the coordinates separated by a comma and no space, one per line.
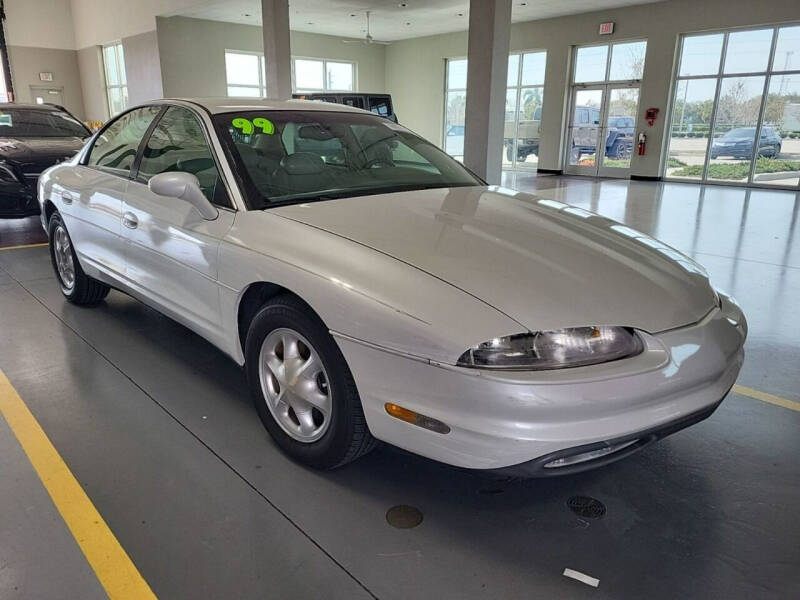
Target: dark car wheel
(302,387)
(617,150)
(76,285)
(509,153)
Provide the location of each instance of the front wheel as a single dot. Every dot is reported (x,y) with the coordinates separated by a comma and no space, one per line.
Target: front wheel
(302,387)
(76,285)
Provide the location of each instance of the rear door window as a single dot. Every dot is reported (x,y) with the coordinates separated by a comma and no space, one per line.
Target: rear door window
(115,148)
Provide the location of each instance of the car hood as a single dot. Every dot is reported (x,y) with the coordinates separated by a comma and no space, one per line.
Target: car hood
(544,264)
(38,153)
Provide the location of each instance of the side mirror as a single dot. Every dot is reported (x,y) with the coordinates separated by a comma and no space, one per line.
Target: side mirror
(186,187)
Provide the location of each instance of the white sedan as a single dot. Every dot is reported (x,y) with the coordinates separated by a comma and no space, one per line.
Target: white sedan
(375,289)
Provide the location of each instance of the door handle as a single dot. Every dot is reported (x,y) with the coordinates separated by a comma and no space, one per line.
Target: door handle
(66,197)
(130,221)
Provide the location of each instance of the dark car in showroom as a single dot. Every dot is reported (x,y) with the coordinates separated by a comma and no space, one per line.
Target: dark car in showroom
(738,143)
(33,137)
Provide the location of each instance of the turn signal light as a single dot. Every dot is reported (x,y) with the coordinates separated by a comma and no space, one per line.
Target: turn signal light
(409,416)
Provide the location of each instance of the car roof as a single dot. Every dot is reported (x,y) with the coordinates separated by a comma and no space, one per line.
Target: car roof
(51,107)
(225,104)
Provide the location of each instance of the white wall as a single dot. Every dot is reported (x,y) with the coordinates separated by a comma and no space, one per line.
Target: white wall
(98,22)
(415,68)
(192,54)
(142,67)
(40,39)
(40,24)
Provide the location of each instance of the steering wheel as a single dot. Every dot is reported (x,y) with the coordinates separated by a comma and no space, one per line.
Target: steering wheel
(371,164)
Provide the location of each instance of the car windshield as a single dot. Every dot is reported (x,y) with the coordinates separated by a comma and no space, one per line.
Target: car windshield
(31,122)
(741,132)
(303,156)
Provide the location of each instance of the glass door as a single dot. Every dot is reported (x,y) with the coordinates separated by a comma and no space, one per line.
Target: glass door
(584,130)
(619,129)
(605,103)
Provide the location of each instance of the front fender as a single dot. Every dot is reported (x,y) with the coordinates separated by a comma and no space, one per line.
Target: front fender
(357,292)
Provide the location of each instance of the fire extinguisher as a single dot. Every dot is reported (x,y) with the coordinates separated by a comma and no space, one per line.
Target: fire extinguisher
(642,143)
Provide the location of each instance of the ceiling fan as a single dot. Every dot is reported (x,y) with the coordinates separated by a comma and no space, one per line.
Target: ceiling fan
(368,39)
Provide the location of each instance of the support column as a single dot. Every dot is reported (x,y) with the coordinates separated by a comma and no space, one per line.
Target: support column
(277,51)
(487,71)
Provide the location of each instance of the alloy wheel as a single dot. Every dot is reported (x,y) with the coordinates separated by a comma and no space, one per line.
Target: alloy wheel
(62,251)
(295,385)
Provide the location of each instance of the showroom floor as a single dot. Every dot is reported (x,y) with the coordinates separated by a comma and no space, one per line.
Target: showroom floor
(158,428)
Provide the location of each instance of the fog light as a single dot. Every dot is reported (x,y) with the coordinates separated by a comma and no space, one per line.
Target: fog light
(585,456)
(409,416)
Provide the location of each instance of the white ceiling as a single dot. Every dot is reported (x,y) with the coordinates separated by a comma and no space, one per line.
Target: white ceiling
(390,19)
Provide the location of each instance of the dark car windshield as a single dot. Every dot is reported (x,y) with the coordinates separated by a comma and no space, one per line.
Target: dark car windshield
(32,122)
(302,156)
(741,132)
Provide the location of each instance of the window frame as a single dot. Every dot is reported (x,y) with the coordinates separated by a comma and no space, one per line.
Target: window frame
(720,76)
(325,89)
(518,87)
(262,73)
(609,56)
(119,52)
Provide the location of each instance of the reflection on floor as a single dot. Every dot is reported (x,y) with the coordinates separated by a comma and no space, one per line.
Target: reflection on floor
(158,427)
(19,232)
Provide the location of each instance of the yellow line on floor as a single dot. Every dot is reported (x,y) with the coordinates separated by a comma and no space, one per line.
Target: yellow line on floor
(765,397)
(24,246)
(112,565)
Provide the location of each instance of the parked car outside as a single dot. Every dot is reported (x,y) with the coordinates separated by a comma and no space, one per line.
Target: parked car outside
(528,134)
(738,143)
(33,137)
(619,135)
(454,140)
(380,104)
(375,289)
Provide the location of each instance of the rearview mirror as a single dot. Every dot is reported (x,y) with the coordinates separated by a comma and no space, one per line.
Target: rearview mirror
(186,187)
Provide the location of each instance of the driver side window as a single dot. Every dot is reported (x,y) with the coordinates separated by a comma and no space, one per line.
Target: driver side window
(178,144)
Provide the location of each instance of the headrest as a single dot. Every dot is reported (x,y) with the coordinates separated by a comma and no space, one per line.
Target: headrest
(303,163)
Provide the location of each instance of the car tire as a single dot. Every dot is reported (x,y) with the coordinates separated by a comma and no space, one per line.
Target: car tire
(331,440)
(509,153)
(77,287)
(617,150)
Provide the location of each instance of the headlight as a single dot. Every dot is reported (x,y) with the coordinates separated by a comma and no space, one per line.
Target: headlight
(558,349)
(6,174)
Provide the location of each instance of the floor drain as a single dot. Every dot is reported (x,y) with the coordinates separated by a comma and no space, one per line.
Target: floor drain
(403,516)
(585,506)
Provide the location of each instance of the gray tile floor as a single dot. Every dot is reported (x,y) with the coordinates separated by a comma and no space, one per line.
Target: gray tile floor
(158,427)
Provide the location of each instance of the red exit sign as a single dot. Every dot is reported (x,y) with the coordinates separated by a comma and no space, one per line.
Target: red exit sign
(607,28)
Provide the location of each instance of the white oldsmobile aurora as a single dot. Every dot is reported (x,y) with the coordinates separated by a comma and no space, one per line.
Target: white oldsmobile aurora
(374,289)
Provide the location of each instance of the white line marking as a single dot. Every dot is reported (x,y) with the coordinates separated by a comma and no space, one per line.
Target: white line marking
(581,577)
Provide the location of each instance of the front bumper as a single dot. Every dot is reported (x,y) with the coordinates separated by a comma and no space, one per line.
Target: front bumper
(500,420)
(607,451)
(18,200)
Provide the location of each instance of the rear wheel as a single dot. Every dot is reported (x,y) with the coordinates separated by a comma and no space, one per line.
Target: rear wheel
(302,388)
(76,285)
